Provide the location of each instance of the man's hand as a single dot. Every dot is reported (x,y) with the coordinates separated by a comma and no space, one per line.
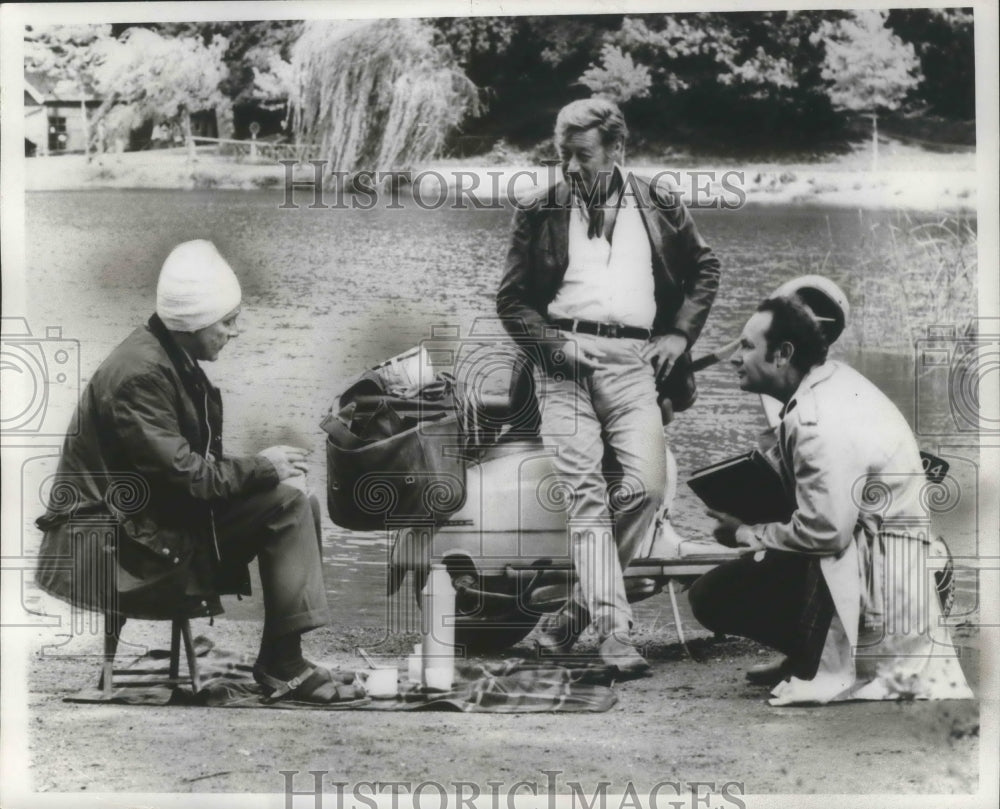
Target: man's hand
(725,531)
(298,482)
(582,358)
(734,534)
(287,461)
(589,357)
(663,352)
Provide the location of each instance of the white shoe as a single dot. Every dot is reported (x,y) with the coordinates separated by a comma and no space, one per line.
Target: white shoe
(666,541)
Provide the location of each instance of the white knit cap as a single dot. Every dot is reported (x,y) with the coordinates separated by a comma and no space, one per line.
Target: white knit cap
(196,287)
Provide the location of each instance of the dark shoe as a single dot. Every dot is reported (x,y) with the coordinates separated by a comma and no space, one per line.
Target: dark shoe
(560,631)
(771,673)
(622,656)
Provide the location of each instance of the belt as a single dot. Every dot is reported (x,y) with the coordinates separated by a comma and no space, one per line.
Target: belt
(601,329)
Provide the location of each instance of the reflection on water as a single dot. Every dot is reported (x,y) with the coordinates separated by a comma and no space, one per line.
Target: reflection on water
(330,292)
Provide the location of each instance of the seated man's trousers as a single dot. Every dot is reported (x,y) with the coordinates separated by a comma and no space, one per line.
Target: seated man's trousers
(279,528)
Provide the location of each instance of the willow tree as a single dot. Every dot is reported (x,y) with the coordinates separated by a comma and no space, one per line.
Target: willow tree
(376,95)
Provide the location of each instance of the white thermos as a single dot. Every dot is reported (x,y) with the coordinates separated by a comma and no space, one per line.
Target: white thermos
(437,606)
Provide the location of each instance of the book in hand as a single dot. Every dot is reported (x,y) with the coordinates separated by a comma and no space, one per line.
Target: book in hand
(746,486)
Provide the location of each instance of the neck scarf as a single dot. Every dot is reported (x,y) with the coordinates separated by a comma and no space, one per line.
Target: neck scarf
(595,209)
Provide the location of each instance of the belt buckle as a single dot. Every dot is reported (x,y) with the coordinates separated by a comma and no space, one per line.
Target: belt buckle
(611,330)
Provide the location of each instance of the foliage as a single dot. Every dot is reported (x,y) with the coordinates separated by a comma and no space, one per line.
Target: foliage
(65,51)
(157,78)
(70,53)
(471,38)
(688,78)
(711,70)
(252,48)
(867,66)
(273,83)
(617,77)
(376,95)
(526,67)
(682,50)
(764,74)
(944,42)
(118,121)
(162,78)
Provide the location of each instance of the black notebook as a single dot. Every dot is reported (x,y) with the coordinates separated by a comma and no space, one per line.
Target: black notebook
(747,487)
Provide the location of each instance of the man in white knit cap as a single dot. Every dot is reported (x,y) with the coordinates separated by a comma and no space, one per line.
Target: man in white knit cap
(144,455)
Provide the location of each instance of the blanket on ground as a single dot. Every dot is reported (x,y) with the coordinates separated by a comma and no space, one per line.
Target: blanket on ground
(506,686)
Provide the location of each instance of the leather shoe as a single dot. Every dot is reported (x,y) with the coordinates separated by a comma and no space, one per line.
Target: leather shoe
(559,632)
(770,673)
(622,656)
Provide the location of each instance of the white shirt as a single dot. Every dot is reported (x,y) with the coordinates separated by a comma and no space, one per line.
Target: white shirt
(608,282)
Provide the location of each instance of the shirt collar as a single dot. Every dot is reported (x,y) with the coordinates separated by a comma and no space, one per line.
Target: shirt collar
(619,175)
(817,374)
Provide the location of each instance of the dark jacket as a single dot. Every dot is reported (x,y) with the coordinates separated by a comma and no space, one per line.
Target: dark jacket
(685,270)
(129,523)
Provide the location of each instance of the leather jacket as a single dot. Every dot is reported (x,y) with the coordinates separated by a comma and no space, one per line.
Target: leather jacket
(685,270)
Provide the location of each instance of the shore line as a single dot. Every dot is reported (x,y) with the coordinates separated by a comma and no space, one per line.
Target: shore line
(436,185)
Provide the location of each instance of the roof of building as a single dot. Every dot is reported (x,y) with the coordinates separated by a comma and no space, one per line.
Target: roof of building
(45,89)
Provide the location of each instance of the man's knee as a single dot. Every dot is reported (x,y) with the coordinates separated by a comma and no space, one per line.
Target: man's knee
(635,492)
(285,507)
(293,500)
(702,596)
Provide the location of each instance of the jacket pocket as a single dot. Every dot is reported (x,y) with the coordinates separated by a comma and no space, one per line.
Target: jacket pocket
(101,564)
(161,541)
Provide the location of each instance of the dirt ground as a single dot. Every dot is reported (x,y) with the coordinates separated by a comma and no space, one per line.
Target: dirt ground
(691,720)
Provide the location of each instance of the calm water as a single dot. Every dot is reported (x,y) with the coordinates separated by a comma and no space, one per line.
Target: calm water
(330,292)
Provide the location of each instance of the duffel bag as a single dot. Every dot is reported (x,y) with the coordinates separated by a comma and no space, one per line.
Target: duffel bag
(400,471)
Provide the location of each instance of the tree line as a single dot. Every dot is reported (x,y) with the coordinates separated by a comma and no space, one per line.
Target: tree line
(745,81)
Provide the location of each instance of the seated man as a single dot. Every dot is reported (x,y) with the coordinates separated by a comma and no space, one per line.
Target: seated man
(843,588)
(144,456)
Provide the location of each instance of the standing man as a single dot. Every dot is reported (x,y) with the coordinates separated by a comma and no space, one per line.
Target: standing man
(145,455)
(844,587)
(607,284)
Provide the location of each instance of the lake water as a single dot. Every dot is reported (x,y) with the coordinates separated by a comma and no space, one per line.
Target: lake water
(328,293)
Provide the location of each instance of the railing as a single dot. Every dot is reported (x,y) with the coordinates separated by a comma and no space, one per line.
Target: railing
(261,150)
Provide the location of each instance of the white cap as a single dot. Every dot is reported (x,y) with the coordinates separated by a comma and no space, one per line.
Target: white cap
(197,287)
(825,301)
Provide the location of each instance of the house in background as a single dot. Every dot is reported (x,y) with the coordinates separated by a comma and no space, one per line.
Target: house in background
(53,121)
(53,115)
(36,120)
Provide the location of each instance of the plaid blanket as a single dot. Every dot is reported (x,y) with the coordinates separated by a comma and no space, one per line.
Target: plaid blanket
(507,686)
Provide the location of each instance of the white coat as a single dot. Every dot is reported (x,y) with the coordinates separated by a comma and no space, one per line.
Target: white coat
(851,459)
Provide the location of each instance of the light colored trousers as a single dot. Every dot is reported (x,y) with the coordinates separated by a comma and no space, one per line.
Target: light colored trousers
(608,511)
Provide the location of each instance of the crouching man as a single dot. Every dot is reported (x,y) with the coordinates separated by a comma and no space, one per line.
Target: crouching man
(844,588)
(144,455)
